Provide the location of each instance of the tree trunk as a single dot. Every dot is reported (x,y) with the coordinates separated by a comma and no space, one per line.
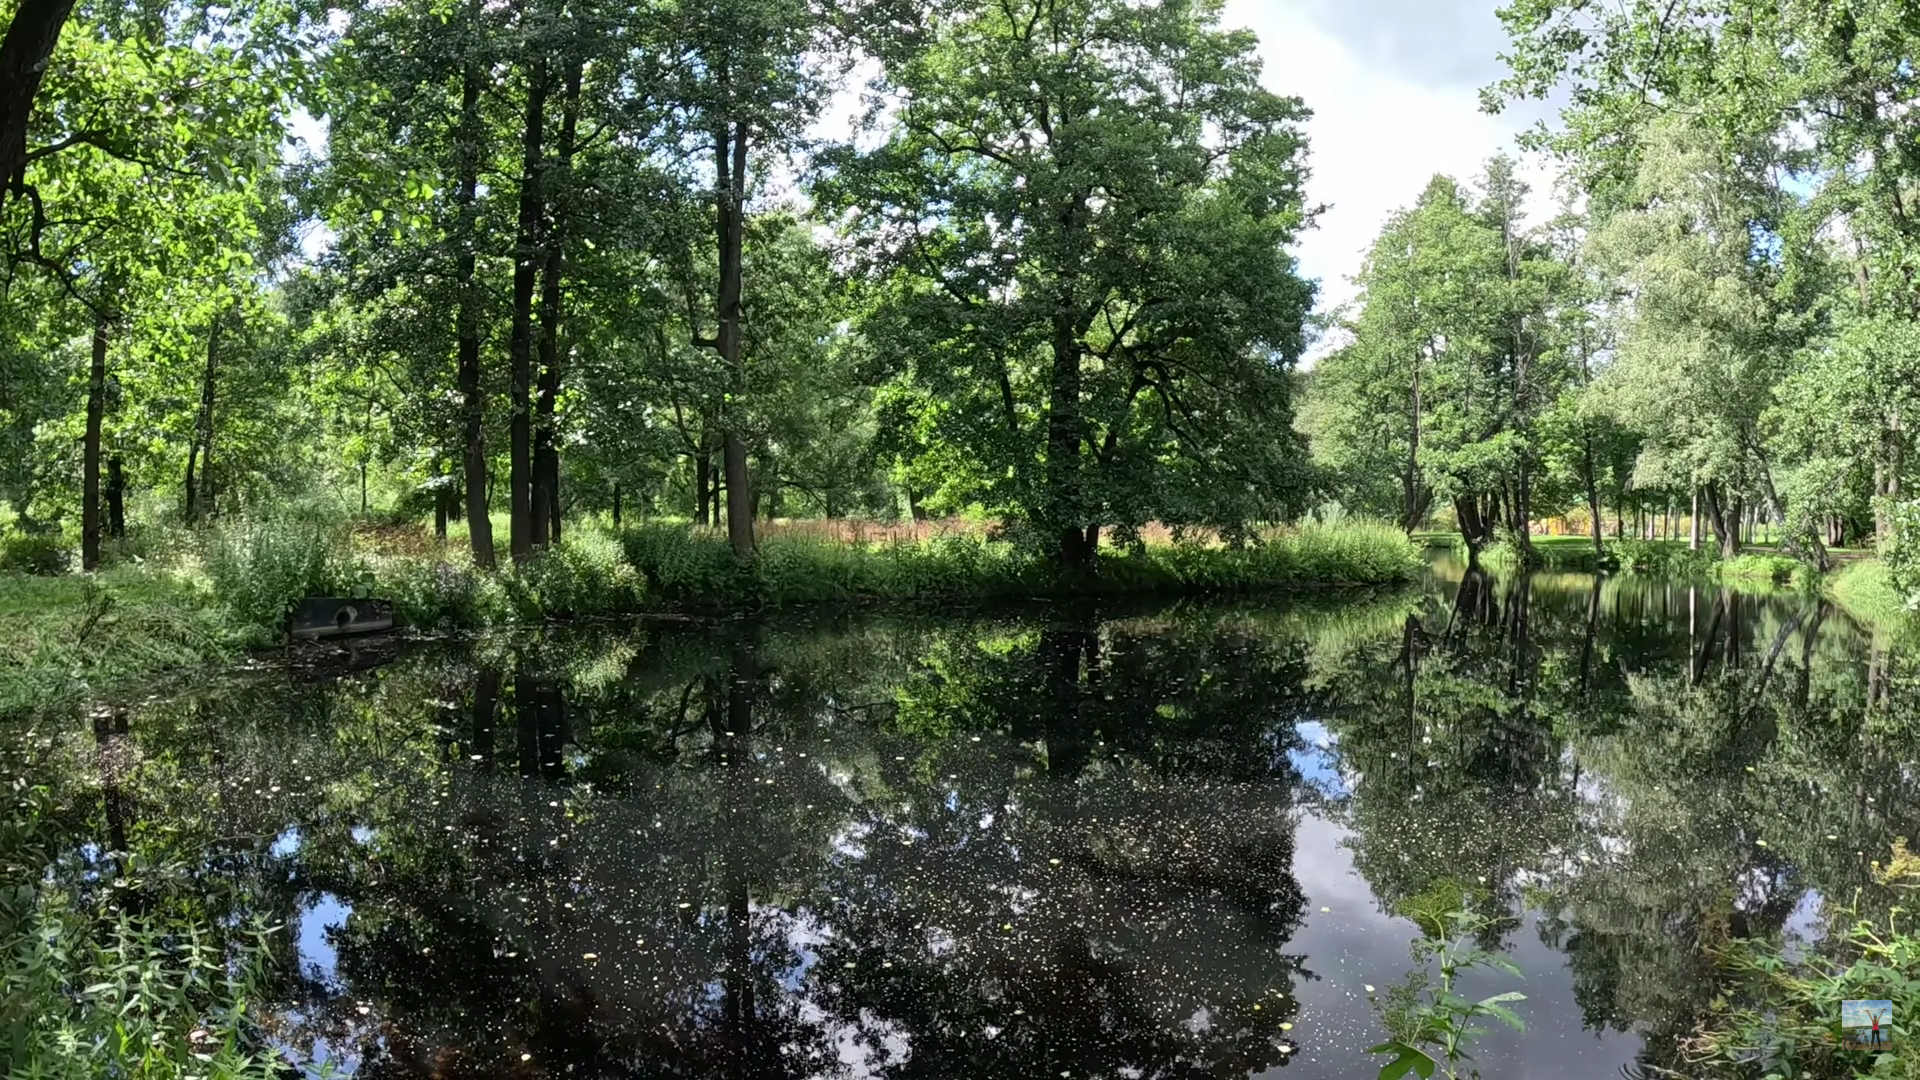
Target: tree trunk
(1896,457)
(1777,510)
(730,193)
(472,400)
(526,267)
(1881,526)
(191,484)
(1414,510)
(1466,511)
(31,37)
(200,489)
(441,489)
(1693,523)
(703,483)
(546,449)
(1719,517)
(116,498)
(616,504)
(90,450)
(918,511)
(767,492)
(1521,359)
(1593,498)
(1063,442)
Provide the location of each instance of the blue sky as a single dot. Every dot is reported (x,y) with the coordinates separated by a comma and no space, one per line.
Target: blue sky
(1854,1013)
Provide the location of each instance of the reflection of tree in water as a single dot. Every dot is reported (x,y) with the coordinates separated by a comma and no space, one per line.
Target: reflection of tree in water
(998,846)
(1003,850)
(1654,765)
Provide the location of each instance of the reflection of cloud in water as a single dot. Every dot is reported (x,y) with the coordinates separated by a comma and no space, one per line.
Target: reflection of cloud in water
(1356,944)
(1318,764)
(319,913)
(1802,928)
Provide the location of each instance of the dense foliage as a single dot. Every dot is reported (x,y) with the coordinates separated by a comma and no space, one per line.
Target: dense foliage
(545,262)
(565,260)
(1715,335)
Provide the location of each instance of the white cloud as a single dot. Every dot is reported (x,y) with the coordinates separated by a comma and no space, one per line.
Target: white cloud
(1376,137)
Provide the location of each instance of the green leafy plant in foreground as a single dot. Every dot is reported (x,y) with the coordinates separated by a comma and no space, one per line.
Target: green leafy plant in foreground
(1431,1022)
(91,987)
(1778,1016)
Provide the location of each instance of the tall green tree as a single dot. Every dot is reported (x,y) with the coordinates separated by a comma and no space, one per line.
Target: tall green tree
(1454,359)
(744,83)
(1091,204)
(1706,336)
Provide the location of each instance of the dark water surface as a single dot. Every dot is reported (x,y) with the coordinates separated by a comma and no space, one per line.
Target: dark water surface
(1059,840)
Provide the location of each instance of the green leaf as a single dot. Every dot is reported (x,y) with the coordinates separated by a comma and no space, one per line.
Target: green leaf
(1506,1016)
(1408,1059)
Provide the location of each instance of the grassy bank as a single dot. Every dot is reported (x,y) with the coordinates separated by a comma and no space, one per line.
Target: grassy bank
(694,568)
(67,638)
(1864,591)
(209,597)
(1755,564)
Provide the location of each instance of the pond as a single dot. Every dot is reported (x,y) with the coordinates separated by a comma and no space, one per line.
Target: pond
(1160,840)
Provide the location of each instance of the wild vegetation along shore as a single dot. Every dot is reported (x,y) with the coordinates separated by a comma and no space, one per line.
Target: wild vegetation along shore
(207,596)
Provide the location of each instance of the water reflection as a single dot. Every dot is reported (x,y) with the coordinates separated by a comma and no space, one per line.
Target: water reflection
(1079,841)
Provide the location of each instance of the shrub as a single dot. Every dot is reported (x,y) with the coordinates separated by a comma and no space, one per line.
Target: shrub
(34,553)
(260,565)
(1900,550)
(585,574)
(433,594)
(152,542)
(1774,568)
(1659,557)
(1429,1023)
(1357,551)
(680,563)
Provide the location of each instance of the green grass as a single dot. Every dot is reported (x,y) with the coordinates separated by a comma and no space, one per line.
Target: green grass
(1763,567)
(73,637)
(1555,552)
(1864,591)
(695,568)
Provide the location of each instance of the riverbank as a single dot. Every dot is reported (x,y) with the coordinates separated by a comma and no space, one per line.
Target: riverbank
(1754,563)
(1863,590)
(208,598)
